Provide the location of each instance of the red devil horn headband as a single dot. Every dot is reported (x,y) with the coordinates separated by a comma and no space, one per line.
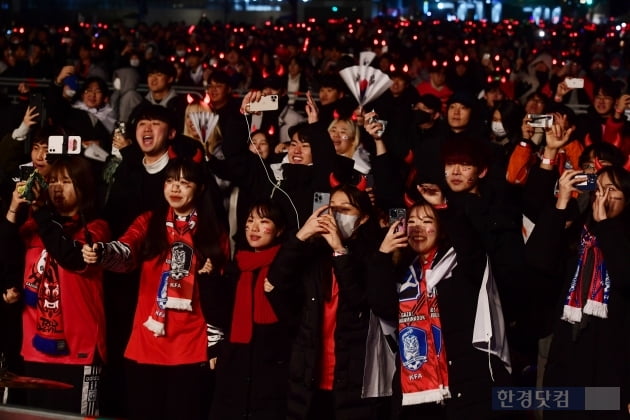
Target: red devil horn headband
(334,182)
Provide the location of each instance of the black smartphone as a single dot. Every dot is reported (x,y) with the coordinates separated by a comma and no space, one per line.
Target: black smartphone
(587,182)
(398,214)
(36,99)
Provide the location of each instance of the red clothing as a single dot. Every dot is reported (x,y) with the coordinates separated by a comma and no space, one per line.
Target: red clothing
(81,302)
(329,325)
(185,341)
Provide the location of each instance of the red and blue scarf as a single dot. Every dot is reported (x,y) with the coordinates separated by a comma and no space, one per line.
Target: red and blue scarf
(423,364)
(42,290)
(590,273)
(177,282)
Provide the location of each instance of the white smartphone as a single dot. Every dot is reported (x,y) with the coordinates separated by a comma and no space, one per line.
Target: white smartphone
(61,145)
(266,103)
(574,82)
(320,199)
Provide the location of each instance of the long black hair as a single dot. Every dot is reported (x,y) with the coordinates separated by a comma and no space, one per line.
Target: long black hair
(208,236)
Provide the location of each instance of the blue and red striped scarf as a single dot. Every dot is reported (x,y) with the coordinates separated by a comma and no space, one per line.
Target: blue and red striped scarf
(590,273)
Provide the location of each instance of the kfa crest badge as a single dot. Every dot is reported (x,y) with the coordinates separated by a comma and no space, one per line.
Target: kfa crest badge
(181,260)
(413,347)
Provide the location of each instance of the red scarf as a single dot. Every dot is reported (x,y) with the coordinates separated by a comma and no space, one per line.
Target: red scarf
(591,273)
(43,291)
(424,371)
(177,282)
(251,305)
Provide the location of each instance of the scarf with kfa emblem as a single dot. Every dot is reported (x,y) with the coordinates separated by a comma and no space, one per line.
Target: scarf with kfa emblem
(590,282)
(42,291)
(177,282)
(423,364)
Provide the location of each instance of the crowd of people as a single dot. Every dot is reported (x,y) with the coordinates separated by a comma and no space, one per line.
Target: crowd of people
(180,255)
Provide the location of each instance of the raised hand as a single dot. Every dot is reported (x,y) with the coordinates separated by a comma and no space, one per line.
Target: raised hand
(432,194)
(566,186)
(312,112)
(558,135)
(393,240)
(30,116)
(313,226)
(251,96)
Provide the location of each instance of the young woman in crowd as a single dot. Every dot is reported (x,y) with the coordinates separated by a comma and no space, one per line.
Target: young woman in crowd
(181,253)
(425,280)
(63,319)
(321,271)
(591,326)
(345,136)
(252,368)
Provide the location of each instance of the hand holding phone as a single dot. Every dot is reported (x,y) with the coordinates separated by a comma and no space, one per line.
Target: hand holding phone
(585,182)
(320,199)
(398,215)
(266,103)
(574,82)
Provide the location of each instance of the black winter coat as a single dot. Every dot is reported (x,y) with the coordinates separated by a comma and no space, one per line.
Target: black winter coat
(469,377)
(252,377)
(595,352)
(302,270)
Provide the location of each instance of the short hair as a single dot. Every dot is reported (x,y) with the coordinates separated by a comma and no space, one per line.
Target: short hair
(602,151)
(41,134)
(102,85)
(300,129)
(219,76)
(466,150)
(355,135)
(152,112)
(431,101)
(161,66)
(333,81)
(608,87)
(271,210)
(462,97)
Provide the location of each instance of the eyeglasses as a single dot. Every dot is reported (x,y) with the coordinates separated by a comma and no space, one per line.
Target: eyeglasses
(94,91)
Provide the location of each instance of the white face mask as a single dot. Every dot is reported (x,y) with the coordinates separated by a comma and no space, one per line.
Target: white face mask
(134,62)
(346,223)
(497,128)
(116,83)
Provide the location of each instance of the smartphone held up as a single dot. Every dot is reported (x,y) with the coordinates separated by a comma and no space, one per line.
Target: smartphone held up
(398,215)
(266,103)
